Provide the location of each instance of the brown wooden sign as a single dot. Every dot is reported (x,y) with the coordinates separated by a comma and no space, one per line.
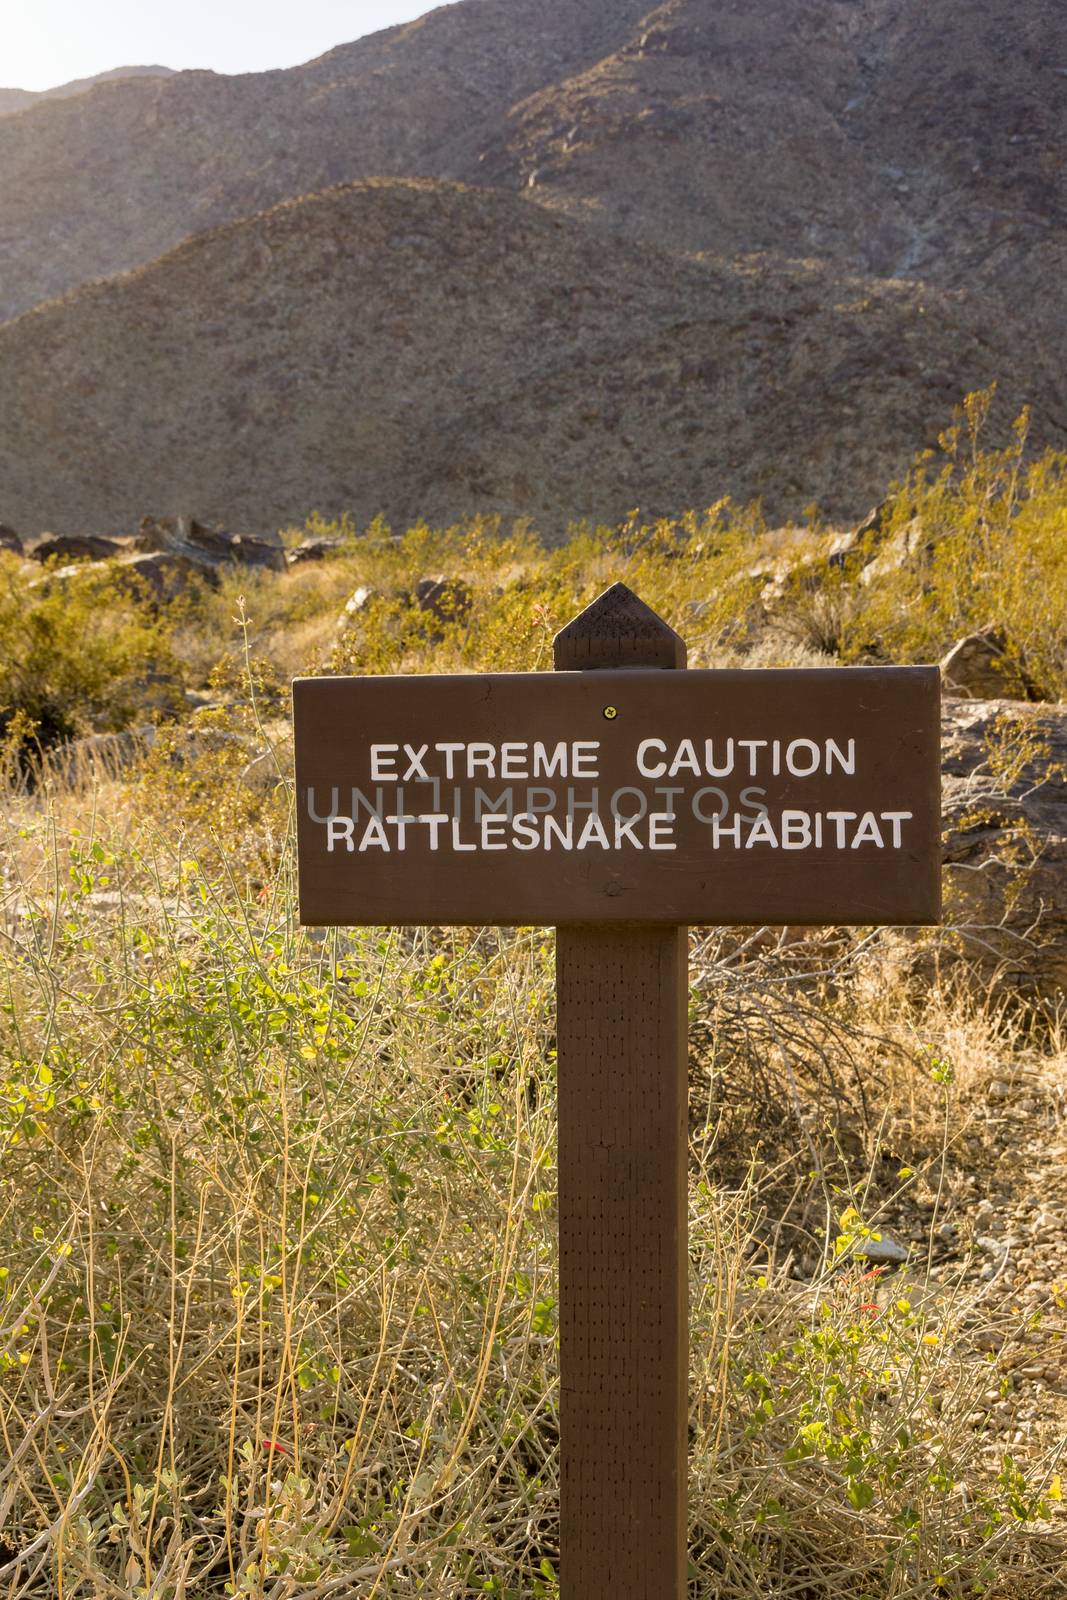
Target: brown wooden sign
(617,792)
(668,798)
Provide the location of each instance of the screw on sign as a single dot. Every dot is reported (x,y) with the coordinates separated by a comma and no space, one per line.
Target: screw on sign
(621,799)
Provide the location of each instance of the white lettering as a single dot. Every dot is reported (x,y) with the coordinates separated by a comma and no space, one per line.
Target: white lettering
(526,828)
(582,753)
(434,820)
(719,832)
(846,763)
(512,756)
(416,768)
(709,759)
(642,767)
(457,842)
(868,832)
(793,762)
(594,832)
(340,829)
(481,757)
(564,833)
(449,751)
(839,818)
(374,834)
(546,766)
(661,831)
(381,761)
(492,831)
(796,830)
(762,832)
(752,745)
(624,829)
(896,818)
(400,822)
(685,758)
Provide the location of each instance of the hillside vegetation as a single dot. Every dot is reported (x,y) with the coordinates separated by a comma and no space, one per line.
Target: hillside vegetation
(972,537)
(441,351)
(277,1287)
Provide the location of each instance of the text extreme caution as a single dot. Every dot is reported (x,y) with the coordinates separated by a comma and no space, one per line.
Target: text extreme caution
(635,796)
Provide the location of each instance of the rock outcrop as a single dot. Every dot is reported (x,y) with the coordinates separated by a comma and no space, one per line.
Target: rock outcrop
(207,546)
(1004,770)
(72,547)
(983,667)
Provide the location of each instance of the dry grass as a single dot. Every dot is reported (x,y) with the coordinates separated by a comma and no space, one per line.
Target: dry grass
(278,1310)
(277,1282)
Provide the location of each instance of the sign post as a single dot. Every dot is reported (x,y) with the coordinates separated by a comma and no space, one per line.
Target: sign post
(621,799)
(623,1207)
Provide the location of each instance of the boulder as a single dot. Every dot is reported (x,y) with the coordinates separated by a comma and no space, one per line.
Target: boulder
(208,545)
(882,1251)
(9,539)
(846,551)
(664,40)
(358,601)
(982,667)
(1004,809)
(313,550)
(874,523)
(444,599)
(72,547)
(894,551)
(164,574)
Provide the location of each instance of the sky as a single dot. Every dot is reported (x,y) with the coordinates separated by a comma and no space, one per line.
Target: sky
(44,43)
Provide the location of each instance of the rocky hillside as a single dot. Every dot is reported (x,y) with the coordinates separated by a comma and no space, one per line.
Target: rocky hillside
(425,349)
(160,159)
(896,137)
(18,99)
(722,246)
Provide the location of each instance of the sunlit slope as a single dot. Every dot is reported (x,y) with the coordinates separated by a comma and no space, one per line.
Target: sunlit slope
(424,349)
(104,182)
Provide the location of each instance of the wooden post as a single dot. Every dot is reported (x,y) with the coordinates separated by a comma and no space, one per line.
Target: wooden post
(621,1033)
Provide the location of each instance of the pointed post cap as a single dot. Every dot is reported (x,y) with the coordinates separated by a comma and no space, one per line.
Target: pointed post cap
(617,630)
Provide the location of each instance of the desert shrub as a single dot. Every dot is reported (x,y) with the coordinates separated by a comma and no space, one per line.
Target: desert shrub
(217,782)
(72,652)
(991,530)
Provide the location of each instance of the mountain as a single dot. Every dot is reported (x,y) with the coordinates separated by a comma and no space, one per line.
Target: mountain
(768,247)
(98,184)
(428,349)
(897,137)
(19,99)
